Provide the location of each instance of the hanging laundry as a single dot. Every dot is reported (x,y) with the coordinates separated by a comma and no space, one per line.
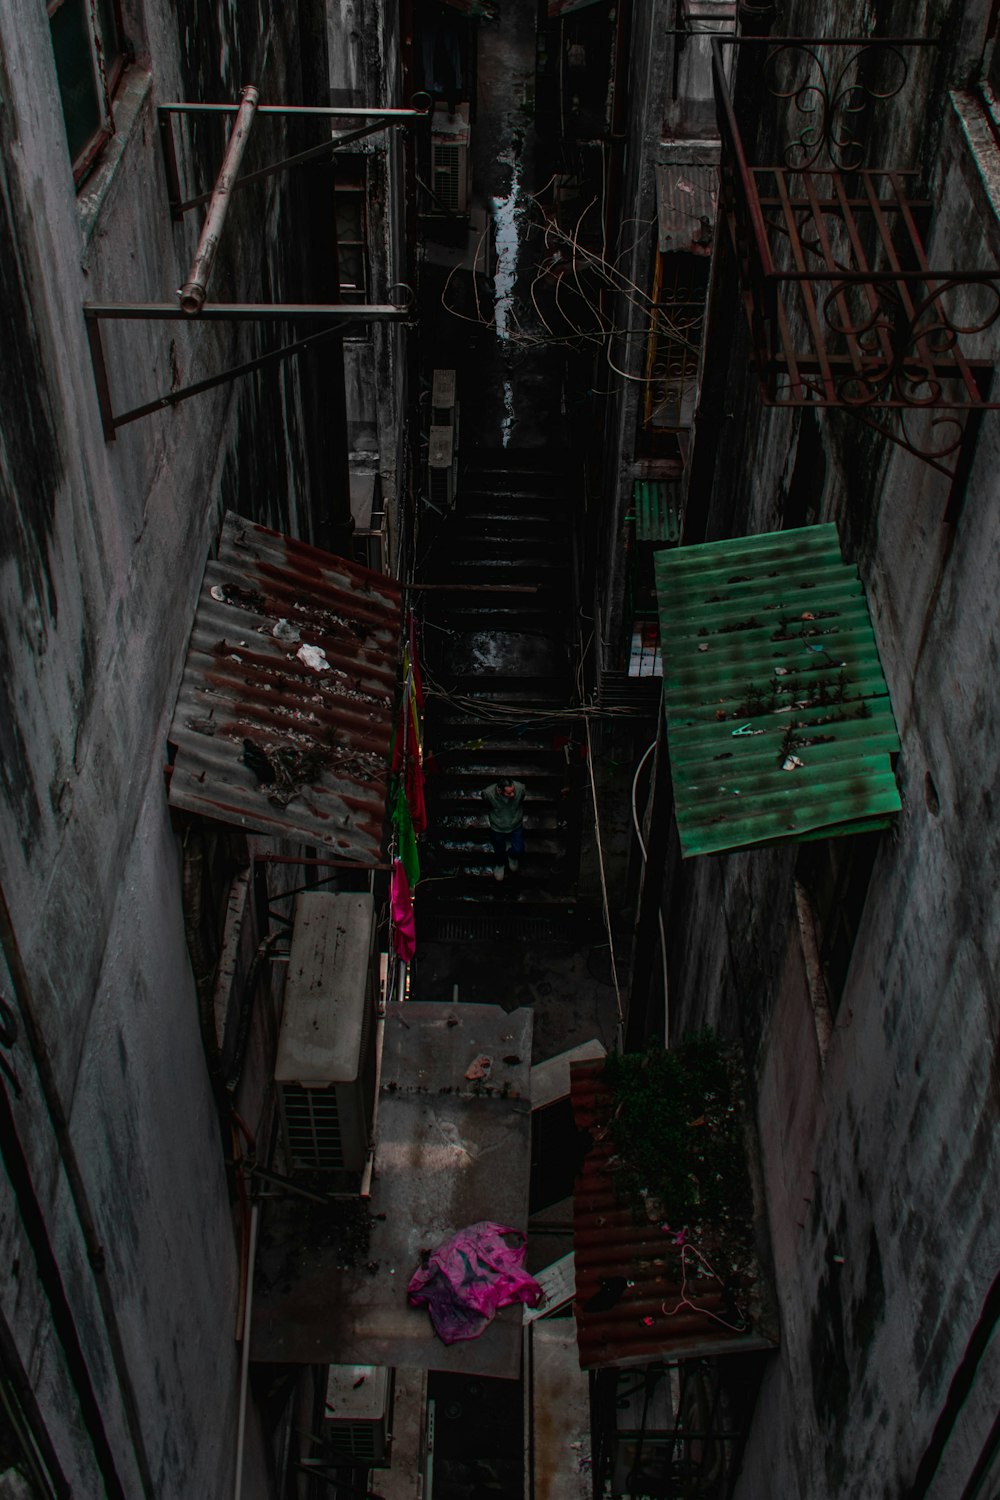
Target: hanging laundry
(407,839)
(404,930)
(407,743)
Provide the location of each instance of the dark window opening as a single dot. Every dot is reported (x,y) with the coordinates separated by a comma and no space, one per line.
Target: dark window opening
(673,352)
(89,47)
(805,492)
(350,195)
(836,874)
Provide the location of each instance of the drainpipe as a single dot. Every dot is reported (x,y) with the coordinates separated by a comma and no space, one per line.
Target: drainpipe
(81,1204)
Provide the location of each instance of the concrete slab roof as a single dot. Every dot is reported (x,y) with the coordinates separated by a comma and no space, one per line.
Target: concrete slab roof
(449,1152)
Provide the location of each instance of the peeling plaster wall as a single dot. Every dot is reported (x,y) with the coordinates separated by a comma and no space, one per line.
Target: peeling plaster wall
(365,71)
(102,549)
(880,1165)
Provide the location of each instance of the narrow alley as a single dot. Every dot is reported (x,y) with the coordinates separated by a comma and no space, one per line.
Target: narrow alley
(498,750)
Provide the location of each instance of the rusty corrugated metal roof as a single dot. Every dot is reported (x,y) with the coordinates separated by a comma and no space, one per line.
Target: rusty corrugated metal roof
(778,715)
(687,199)
(248,698)
(611,1240)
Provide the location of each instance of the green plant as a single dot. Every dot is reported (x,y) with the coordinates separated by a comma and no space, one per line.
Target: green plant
(677,1125)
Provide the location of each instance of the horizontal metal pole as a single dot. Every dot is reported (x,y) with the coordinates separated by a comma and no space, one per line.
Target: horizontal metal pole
(727,39)
(951,280)
(320,110)
(876,405)
(249,312)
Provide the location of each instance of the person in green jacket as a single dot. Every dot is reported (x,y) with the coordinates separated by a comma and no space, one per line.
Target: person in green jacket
(505,804)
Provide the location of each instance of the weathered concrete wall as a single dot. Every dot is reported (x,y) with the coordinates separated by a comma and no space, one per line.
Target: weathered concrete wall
(102,549)
(880,1162)
(365,71)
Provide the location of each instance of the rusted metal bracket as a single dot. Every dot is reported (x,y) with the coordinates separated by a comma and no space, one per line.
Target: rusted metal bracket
(846,308)
(341,319)
(192,304)
(376,120)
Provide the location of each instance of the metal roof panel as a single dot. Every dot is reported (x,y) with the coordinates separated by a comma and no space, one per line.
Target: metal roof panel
(610,1240)
(294,651)
(778,715)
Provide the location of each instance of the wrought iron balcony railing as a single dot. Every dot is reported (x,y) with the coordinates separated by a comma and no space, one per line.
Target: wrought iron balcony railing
(847,306)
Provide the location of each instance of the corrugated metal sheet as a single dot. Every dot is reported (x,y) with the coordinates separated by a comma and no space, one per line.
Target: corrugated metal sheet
(610,1240)
(656,509)
(687,201)
(778,715)
(324,733)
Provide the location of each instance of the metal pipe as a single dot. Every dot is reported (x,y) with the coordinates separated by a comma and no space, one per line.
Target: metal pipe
(250,312)
(323,111)
(245,1353)
(195,289)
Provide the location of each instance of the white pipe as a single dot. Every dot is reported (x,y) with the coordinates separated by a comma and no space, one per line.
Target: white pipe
(245,1352)
(659,904)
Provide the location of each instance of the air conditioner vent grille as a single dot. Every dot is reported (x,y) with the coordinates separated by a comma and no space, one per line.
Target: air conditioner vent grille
(358,1440)
(312,1122)
(448,176)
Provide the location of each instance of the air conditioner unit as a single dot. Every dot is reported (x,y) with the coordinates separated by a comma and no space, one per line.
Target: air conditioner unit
(325,1067)
(443,396)
(357,1423)
(442,465)
(451,136)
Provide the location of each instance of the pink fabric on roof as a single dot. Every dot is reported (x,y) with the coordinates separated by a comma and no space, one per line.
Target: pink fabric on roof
(466,1280)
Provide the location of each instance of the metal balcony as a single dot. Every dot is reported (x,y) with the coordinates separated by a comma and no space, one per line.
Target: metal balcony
(848,307)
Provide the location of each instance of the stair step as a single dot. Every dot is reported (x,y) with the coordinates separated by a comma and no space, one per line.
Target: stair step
(458,821)
(482,922)
(502,544)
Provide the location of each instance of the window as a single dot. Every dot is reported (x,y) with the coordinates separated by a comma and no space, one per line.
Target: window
(350,193)
(835,875)
(674,349)
(87,40)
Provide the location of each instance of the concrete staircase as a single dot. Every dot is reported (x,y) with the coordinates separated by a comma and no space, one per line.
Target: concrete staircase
(504,661)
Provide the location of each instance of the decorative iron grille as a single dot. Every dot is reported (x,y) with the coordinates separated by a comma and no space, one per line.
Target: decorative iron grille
(844,304)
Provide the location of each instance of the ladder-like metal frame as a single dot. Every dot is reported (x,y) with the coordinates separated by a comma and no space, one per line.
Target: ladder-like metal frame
(338,318)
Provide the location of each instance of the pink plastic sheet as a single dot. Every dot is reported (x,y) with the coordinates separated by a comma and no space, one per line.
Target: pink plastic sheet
(465,1281)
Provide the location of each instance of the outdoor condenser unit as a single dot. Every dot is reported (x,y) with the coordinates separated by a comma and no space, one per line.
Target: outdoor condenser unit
(441,465)
(325,1068)
(357,1423)
(450,140)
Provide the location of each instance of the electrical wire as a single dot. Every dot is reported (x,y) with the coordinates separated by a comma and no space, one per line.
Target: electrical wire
(619,1010)
(659,907)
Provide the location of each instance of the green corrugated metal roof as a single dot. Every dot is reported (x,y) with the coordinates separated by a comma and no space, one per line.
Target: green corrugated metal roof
(657,518)
(771,635)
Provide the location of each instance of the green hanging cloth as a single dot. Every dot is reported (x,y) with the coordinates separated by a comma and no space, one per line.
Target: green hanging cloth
(407,838)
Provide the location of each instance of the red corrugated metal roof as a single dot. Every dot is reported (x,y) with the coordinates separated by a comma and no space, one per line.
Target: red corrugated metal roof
(612,1239)
(322,731)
